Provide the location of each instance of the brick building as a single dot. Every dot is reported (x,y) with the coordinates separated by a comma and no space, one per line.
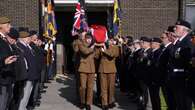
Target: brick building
(139,17)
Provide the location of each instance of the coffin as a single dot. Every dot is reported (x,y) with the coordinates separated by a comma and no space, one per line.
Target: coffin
(99,33)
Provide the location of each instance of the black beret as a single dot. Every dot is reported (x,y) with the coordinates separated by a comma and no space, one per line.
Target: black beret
(171,29)
(183,23)
(156,39)
(33,32)
(146,39)
(13,33)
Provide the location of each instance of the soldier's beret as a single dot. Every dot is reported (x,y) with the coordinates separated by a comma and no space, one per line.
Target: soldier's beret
(171,29)
(4,20)
(23,34)
(88,35)
(13,33)
(156,39)
(183,23)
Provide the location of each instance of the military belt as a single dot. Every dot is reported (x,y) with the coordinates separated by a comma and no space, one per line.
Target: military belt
(178,70)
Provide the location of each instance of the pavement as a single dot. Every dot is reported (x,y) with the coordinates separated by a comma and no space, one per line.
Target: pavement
(61,95)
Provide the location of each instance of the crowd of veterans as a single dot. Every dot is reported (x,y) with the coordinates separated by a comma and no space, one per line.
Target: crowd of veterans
(140,67)
(22,66)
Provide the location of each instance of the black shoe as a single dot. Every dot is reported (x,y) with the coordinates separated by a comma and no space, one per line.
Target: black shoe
(82,106)
(112,105)
(104,107)
(88,107)
(30,108)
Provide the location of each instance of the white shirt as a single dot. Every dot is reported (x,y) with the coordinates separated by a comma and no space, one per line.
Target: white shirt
(154,49)
(175,41)
(26,64)
(2,34)
(180,39)
(136,49)
(146,49)
(23,43)
(167,44)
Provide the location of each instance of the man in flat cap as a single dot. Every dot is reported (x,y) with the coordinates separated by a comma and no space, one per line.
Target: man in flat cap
(7,59)
(39,55)
(24,43)
(180,64)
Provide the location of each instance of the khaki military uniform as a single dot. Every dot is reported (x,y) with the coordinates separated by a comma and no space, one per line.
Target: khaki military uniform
(87,74)
(76,61)
(107,70)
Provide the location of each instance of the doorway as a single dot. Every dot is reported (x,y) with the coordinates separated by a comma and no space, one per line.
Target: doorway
(64,22)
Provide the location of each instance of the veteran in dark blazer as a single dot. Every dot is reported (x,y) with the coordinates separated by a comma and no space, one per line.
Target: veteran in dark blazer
(86,72)
(7,59)
(163,63)
(107,70)
(179,64)
(154,74)
(142,72)
(24,44)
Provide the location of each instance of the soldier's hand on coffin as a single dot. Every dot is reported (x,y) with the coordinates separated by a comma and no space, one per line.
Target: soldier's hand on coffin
(104,46)
(10,59)
(92,46)
(102,49)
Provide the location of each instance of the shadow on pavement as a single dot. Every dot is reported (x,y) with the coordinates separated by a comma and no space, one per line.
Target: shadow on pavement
(69,93)
(69,90)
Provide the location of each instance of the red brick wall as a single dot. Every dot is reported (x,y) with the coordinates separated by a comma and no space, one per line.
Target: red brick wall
(23,13)
(148,17)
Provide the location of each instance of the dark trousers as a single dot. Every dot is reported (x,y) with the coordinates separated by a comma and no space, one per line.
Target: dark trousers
(4,96)
(34,94)
(17,94)
(143,95)
(178,86)
(169,96)
(191,88)
(154,90)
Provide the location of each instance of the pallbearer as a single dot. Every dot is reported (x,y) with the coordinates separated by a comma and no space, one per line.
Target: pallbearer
(86,72)
(107,70)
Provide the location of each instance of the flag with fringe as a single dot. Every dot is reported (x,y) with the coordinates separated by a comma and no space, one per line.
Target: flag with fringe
(50,21)
(117,18)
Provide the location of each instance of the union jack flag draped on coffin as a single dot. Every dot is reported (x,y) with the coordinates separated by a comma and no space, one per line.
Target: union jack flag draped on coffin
(80,23)
(99,33)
